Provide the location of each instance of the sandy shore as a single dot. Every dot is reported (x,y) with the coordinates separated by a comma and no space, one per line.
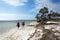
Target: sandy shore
(31,33)
(23,33)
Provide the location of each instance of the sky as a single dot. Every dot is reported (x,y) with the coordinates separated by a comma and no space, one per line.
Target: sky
(25,9)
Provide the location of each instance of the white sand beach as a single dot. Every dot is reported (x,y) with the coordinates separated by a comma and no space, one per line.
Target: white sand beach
(32,33)
(23,33)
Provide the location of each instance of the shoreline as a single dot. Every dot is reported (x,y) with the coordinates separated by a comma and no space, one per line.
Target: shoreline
(16,32)
(26,32)
(30,24)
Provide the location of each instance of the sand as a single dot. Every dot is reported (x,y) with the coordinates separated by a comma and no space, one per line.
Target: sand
(23,33)
(51,32)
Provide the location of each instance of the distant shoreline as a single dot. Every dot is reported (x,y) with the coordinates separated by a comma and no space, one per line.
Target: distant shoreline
(17,20)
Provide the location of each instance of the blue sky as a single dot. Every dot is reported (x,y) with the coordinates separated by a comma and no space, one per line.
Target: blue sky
(25,9)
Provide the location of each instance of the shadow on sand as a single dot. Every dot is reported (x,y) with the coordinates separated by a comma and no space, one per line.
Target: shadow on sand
(51,24)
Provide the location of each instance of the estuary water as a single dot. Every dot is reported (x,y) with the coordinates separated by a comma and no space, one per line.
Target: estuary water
(5,26)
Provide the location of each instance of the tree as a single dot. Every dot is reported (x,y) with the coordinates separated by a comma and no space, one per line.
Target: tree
(53,14)
(44,15)
(43,10)
(42,18)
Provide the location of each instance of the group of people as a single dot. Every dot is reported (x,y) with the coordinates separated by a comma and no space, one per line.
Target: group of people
(22,23)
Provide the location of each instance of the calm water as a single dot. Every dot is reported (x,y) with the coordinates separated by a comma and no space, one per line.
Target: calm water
(5,26)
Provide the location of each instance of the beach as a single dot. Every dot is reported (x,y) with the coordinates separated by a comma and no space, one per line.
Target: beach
(18,34)
(5,26)
(32,33)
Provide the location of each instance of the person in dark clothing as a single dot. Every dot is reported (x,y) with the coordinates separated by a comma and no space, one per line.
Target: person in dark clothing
(18,24)
(23,23)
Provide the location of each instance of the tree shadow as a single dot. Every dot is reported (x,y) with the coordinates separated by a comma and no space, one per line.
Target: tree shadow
(51,24)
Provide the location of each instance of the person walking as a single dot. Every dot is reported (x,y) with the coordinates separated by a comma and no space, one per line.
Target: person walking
(18,24)
(23,23)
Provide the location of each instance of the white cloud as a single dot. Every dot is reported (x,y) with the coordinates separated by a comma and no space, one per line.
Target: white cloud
(46,3)
(27,17)
(15,2)
(6,16)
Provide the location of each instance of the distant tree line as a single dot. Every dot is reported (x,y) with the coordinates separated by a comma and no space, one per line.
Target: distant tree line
(44,15)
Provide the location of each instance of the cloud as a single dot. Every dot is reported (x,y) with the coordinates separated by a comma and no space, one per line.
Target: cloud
(27,17)
(15,2)
(6,16)
(46,3)
(55,1)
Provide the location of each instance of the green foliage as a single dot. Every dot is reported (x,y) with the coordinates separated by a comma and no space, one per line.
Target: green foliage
(43,18)
(43,10)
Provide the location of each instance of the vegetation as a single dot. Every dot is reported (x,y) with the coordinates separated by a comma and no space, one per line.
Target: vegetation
(44,15)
